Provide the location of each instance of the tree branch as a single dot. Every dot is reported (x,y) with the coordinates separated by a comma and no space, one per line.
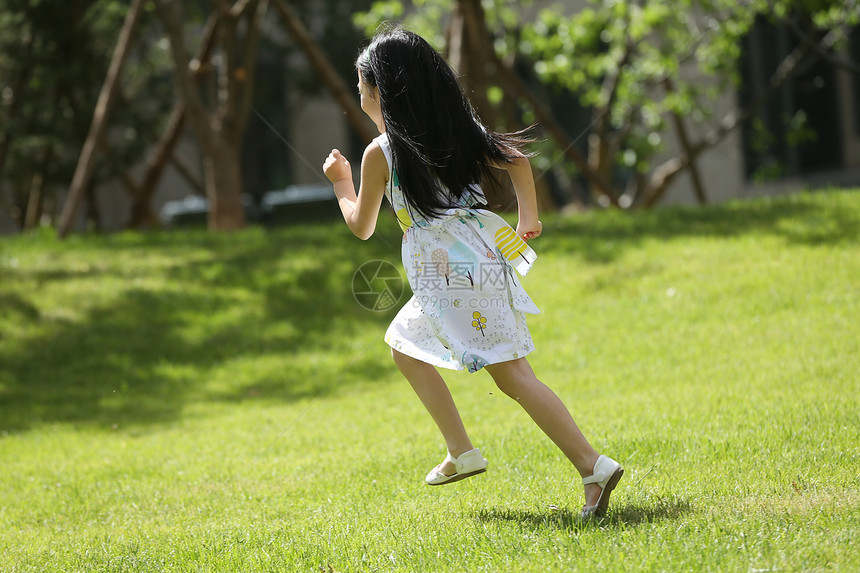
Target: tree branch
(226,82)
(475,50)
(171,17)
(336,86)
(819,49)
(84,170)
(512,83)
(252,43)
(188,174)
(239,8)
(140,211)
(793,64)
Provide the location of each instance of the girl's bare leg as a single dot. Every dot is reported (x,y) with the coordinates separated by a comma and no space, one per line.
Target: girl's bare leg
(517,379)
(434,394)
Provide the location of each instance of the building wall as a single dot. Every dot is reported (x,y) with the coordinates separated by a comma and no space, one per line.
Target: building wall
(318,126)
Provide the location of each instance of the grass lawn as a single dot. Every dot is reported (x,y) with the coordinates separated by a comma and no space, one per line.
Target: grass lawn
(195,402)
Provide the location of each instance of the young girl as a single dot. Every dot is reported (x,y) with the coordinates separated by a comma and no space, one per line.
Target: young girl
(468,309)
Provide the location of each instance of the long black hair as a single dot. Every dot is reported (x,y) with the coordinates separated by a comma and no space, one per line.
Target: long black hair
(439,146)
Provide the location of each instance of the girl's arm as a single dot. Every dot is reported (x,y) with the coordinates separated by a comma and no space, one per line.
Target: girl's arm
(520,172)
(359,211)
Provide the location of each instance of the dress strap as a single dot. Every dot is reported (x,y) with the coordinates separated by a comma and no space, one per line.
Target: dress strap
(385,145)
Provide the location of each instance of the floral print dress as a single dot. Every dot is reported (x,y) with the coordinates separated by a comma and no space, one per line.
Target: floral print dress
(468,306)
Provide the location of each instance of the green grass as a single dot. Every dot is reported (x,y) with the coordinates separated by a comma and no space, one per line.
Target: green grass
(195,402)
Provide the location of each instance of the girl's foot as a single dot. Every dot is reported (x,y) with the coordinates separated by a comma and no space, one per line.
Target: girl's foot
(598,486)
(592,494)
(454,469)
(446,468)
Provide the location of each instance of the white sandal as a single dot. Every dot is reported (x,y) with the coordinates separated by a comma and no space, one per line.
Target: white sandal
(468,464)
(606,474)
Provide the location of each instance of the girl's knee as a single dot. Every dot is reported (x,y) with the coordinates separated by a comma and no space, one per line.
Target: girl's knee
(512,378)
(511,390)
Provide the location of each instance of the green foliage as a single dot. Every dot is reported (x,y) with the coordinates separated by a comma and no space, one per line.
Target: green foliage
(577,52)
(380,11)
(637,62)
(693,46)
(826,14)
(53,60)
(187,401)
(429,18)
(424,17)
(63,61)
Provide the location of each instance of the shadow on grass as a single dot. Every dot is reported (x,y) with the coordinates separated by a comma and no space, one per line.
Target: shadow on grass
(810,219)
(143,354)
(567,519)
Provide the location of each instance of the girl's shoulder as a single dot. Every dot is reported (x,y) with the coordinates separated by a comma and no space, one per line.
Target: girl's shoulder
(384,144)
(376,162)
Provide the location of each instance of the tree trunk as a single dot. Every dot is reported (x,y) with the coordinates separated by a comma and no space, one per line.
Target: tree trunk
(219,130)
(475,56)
(86,163)
(34,203)
(141,209)
(93,212)
(223,175)
(5,136)
(454,37)
(698,186)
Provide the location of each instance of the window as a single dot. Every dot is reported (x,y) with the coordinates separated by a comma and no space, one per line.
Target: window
(797,130)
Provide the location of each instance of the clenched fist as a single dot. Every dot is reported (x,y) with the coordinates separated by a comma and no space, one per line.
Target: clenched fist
(336,167)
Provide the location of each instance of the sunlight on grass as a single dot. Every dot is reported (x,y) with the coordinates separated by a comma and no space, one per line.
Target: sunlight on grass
(186,401)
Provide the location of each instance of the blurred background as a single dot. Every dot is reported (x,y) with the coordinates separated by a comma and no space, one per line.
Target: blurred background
(149,114)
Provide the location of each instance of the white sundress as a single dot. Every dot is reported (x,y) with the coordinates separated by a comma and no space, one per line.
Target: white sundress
(468,306)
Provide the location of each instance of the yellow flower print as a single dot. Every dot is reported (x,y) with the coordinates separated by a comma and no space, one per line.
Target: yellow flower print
(479,321)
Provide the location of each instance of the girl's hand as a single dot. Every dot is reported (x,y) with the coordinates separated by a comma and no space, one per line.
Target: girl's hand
(336,167)
(529,231)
